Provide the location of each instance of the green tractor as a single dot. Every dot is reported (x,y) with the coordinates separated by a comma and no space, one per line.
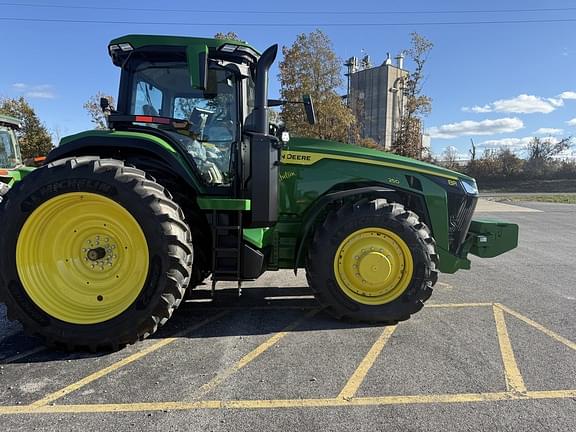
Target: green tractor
(11,167)
(101,243)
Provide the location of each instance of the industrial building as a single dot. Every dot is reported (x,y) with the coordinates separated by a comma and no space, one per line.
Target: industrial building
(376,97)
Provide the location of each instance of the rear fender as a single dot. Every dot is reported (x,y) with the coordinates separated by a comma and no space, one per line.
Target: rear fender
(108,144)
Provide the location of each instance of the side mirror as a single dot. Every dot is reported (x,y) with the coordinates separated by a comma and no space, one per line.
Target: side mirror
(104,104)
(197,57)
(309,108)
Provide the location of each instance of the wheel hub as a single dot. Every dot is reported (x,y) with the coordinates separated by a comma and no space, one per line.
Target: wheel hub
(374,267)
(100,252)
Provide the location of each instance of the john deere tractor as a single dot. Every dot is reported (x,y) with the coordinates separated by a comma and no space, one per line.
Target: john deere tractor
(100,245)
(11,167)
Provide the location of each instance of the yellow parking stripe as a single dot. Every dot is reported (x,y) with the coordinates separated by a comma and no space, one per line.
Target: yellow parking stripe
(540,327)
(361,371)
(251,356)
(119,364)
(514,380)
(291,403)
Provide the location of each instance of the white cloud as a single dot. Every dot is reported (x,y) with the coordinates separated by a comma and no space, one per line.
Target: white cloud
(470,127)
(549,131)
(527,104)
(43,91)
(40,95)
(478,109)
(571,122)
(567,95)
(522,104)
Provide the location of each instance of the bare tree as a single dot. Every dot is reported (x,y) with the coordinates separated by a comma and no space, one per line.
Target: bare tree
(450,158)
(541,151)
(408,141)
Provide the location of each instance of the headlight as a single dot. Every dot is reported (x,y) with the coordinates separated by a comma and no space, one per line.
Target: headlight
(470,186)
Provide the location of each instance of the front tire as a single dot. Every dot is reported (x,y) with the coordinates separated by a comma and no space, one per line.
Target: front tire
(95,254)
(372,261)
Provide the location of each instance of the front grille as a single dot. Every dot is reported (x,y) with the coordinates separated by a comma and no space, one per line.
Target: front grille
(460,210)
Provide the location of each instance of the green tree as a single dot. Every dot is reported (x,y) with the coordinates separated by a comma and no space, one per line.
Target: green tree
(92,106)
(310,66)
(34,138)
(407,139)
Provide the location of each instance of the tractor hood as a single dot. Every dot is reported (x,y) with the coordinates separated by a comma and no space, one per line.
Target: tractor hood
(307,151)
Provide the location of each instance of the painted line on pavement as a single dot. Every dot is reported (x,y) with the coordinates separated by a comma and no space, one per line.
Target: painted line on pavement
(251,356)
(361,371)
(51,397)
(538,326)
(291,403)
(514,380)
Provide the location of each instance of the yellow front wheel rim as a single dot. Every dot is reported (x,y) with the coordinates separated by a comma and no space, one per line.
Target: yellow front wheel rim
(373,266)
(82,258)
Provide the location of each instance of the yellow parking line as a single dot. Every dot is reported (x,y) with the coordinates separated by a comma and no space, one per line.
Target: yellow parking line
(251,356)
(291,403)
(361,371)
(540,327)
(24,354)
(514,380)
(119,364)
(552,394)
(456,305)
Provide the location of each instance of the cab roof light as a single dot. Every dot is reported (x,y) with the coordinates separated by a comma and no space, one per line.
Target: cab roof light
(228,48)
(248,50)
(125,46)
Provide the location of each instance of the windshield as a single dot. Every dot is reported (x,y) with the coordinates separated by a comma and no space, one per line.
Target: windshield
(163,89)
(9,155)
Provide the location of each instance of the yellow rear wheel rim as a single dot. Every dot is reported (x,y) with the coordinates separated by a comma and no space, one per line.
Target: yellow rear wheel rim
(82,258)
(373,266)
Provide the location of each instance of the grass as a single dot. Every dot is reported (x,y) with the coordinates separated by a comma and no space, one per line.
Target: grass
(556,198)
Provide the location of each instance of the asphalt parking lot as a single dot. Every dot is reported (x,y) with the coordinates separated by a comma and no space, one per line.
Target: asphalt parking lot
(493,350)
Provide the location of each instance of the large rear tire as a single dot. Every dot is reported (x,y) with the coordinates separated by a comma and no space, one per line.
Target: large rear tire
(95,254)
(372,261)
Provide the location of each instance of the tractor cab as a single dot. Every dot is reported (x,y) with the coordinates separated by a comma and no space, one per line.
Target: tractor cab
(196,94)
(9,149)
(10,157)
(208,99)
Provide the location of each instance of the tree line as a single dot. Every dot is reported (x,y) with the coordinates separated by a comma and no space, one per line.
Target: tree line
(542,161)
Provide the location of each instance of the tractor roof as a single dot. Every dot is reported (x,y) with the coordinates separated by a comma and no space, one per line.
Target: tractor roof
(134,42)
(10,122)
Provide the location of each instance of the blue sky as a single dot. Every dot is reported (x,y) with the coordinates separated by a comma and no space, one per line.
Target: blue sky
(499,84)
